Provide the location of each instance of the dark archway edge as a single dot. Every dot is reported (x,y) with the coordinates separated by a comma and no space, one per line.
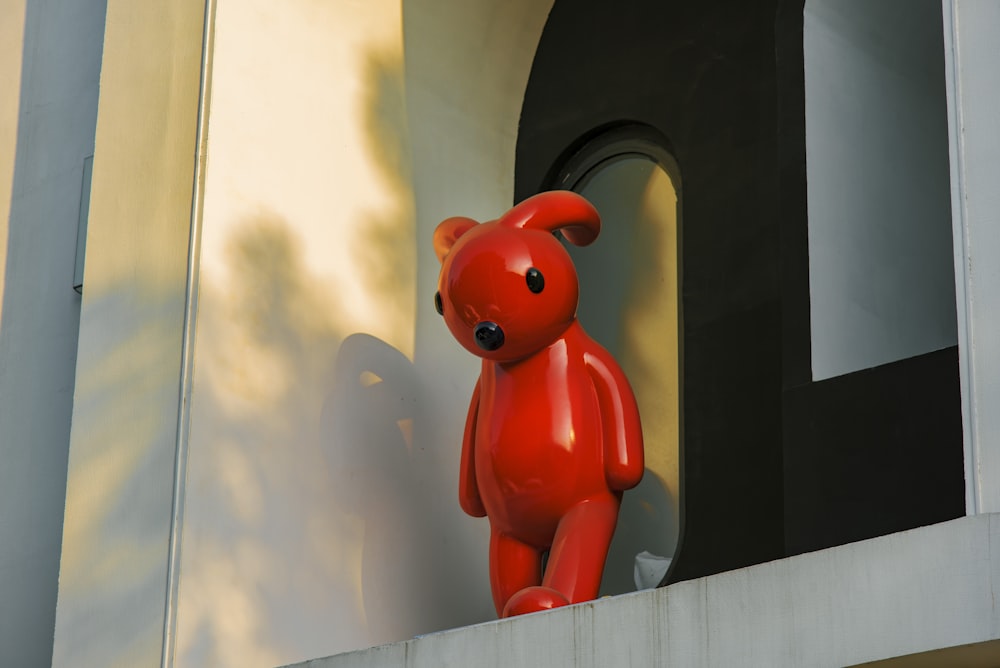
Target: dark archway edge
(723,84)
(704,76)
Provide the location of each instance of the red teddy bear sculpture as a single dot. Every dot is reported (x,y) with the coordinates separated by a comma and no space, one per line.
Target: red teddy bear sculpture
(552,437)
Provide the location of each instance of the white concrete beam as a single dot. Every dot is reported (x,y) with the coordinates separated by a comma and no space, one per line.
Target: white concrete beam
(50,63)
(972,50)
(898,595)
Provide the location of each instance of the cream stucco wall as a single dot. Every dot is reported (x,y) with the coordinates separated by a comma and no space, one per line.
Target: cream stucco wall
(265,438)
(319,507)
(307,237)
(11,55)
(117,531)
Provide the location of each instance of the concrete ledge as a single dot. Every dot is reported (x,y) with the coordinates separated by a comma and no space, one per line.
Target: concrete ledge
(919,591)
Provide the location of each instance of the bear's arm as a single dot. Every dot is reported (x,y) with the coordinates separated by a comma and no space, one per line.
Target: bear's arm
(468,488)
(621,431)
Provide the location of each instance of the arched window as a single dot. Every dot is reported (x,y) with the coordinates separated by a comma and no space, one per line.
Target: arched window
(629,302)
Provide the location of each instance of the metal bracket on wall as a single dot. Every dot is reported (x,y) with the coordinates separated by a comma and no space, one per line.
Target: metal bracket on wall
(81,227)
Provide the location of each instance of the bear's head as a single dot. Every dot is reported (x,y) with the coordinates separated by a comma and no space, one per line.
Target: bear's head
(508,288)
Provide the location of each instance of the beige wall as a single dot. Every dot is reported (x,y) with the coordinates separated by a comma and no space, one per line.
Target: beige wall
(307,237)
(320,510)
(316,508)
(115,551)
(11,54)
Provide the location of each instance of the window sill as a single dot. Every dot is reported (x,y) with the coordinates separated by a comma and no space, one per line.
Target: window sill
(902,595)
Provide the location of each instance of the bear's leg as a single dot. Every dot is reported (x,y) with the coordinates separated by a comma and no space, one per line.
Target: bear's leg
(513,566)
(580,548)
(533,599)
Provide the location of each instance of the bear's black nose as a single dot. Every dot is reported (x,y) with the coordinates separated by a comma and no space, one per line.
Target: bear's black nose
(489,336)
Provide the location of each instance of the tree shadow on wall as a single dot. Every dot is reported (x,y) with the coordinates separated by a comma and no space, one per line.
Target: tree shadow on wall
(420,564)
(327,503)
(382,445)
(309,508)
(260,530)
(384,244)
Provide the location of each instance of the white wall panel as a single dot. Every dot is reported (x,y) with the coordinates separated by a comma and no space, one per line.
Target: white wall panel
(880,261)
(50,61)
(973,48)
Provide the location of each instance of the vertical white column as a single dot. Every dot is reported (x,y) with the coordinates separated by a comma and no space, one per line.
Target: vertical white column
(117,535)
(50,63)
(972,50)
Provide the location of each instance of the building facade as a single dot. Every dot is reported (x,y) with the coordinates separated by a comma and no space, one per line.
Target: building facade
(231,418)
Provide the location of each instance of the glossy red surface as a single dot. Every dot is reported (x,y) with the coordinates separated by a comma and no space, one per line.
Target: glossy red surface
(552,437)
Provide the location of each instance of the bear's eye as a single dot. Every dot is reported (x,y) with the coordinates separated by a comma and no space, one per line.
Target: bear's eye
(535,280)
(438,305)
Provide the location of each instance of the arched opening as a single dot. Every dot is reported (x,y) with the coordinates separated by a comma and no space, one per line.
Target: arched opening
(629,303)
(708,86)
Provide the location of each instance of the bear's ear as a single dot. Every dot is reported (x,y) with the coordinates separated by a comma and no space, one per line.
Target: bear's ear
(448,232)
(561,210)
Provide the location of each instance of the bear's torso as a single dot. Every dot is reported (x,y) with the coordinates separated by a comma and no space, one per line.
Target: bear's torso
(538,444)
